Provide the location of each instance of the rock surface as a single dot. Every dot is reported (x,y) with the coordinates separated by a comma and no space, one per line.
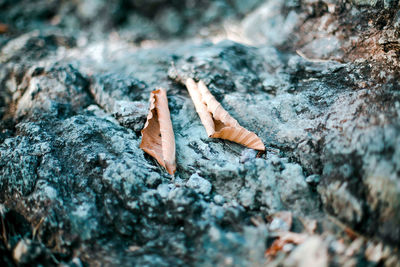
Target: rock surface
(316,80)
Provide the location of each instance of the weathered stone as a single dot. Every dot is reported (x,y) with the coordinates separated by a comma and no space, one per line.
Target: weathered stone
(323,96)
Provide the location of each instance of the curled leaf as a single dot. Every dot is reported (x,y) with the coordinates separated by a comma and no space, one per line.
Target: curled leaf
(157,135)
(216,120)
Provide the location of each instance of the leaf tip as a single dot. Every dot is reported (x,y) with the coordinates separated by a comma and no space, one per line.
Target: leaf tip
(171,168)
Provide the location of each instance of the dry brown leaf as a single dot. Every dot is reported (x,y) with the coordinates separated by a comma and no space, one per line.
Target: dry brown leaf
(157,135)
(283,239)
(216,120)
(351,233)
(3,28)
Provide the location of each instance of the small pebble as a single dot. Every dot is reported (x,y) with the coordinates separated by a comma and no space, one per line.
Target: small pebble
(199,184)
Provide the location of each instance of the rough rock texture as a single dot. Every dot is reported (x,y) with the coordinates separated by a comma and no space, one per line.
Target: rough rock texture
(316,80)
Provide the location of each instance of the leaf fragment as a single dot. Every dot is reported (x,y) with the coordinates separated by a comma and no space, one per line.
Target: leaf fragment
(284,238)
(3,28)
(216,120)
(157,135)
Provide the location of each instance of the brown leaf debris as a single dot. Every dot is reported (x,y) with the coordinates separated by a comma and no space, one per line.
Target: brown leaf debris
(3,28)
(157,135)
(283,239)
(216,120)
